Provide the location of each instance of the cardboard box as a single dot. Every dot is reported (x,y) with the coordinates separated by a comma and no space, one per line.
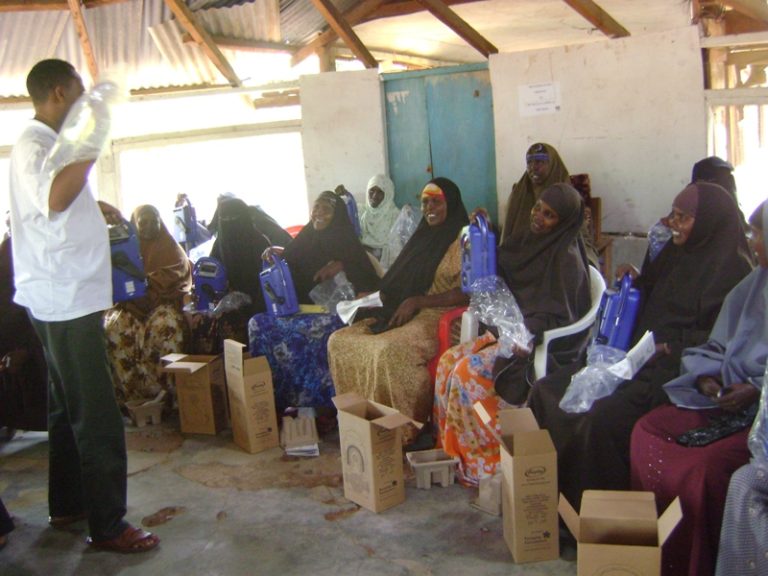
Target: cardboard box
(371,452)
(529,488)
(200,392)
(251,399)
(432,467)
(618,532)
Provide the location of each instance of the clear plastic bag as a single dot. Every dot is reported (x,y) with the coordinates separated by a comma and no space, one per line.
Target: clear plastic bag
(658,236)
(495,305)
(594,381)
(402,230)
(334,290)
(85,129)
(230,302)
(758,436)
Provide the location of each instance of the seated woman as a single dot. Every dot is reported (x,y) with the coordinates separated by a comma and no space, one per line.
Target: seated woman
(547,273)
(23,371)
(379,214)
(238,246)
(139,332)
(724,376)
(680,298)
(390,367)
(296,346)
(744,535)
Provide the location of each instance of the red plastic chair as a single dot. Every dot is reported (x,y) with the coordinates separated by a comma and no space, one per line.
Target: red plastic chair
(444,336)
(294,230)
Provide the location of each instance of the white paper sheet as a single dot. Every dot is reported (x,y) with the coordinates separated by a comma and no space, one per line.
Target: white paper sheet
(636,357)
(348,308)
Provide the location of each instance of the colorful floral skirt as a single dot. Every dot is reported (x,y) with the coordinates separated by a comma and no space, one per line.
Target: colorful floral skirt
(296,348)
(464,376)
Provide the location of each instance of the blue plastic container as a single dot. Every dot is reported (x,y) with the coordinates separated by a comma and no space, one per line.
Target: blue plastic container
(209,282)
(277,288)
(617,315)
(128,279)
(478,252)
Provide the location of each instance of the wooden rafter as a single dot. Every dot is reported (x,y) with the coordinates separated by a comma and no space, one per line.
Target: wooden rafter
(406,7)
(471,36)
(35,5)
(188,21)
(358,13)
(244,45)
(755,9)
(343,29)
(85,40)
(598,17)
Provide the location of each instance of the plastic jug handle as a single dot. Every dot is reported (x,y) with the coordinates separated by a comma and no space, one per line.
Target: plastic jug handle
(482,224)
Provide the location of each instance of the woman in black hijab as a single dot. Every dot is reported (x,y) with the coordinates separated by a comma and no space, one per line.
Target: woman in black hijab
(546,271)
(391,367)
(327,245)
(681,293)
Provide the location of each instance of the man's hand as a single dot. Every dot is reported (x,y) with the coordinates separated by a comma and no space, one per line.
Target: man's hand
(111,214)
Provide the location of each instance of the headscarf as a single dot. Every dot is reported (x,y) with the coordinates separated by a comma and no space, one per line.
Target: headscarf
(169,273)
(312,249)
(737,348)
(239,246)
(413,272)
(263,222)
(684,287)
(375,223)
(547,273)
(718,171)
(525,193)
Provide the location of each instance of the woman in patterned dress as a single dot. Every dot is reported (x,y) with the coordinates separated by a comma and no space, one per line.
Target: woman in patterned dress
(141,331)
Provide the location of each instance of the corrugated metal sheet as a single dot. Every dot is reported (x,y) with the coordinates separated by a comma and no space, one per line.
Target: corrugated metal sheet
(300,21)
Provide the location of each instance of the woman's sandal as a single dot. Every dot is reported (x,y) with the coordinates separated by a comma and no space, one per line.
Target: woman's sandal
(132,540)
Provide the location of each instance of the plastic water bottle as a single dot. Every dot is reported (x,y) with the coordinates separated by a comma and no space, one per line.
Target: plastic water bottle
(85,129)
(658,236)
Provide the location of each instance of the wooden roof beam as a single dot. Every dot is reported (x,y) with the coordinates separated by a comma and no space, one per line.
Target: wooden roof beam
(200,35)
(358,13)
(471,36)
(598,17)
(406,7)
(85,40)
(755,9)
(37,5)
(344,31)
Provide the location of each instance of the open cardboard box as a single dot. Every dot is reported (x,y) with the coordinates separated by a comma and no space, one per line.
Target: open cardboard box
(529,487)
(200,392)
(371,451)
(251,399)
(619,531)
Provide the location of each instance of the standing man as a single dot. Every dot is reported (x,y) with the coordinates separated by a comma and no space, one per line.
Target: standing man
(63,278)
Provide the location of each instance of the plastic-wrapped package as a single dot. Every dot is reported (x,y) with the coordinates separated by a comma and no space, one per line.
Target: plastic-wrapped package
(402,230)
(658,236)
(594,381)
(230,302)
(85,129)
(495,305)
(758,436)
(334,290)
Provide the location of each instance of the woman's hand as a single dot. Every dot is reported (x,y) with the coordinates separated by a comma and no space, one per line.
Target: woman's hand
(709,386)
(328,271)
(14,360)
(272,251)
(407,310)
(627,269)
(737,397)
(481,211)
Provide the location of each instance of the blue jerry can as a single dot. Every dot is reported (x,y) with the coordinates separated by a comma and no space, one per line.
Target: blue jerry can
(128,279)
(277,288)
(617,314)
(209,282)
(478,252)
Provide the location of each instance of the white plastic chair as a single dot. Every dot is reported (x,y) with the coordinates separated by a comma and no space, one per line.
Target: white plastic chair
(596,289)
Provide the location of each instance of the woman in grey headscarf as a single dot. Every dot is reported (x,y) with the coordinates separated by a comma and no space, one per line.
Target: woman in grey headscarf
(379,214)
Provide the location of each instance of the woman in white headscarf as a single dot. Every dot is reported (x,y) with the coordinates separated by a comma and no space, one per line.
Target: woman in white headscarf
(379,214)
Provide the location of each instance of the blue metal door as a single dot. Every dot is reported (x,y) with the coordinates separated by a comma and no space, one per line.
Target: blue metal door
(440,123)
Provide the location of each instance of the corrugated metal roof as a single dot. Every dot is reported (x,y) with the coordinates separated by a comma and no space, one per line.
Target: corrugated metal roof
(300,20)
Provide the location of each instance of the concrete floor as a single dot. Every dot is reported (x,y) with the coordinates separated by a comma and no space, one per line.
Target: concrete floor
(220,511)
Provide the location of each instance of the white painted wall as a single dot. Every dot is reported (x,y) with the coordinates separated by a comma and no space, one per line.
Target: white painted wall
(343,131)
(632,115)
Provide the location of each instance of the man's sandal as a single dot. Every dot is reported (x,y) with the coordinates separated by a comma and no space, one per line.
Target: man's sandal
(132,540)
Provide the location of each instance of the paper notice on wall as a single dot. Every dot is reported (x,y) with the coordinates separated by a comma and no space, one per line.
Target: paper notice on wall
(539,99)
(348,308)
(636,358)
